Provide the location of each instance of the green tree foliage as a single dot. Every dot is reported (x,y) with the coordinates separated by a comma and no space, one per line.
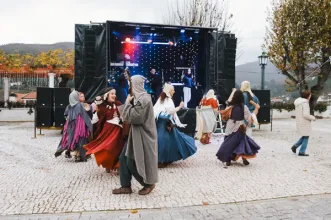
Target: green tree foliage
(299,34)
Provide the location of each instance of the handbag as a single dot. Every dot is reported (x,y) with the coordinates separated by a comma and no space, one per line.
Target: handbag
(226,113)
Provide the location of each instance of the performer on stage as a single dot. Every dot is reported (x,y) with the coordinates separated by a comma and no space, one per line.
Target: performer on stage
(76,130)
(206,117)
(123,86)
(156,84)
(139,156)
(108,145)
(188,84)
(173,145)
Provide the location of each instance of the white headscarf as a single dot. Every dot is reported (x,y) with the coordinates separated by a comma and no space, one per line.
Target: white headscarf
(210,94)
(138,87)
(167,88)
(246,87)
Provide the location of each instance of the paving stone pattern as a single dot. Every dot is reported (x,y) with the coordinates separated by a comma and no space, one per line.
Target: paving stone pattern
(33,181)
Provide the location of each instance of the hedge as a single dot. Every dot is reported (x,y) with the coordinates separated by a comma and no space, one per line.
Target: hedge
(289,106)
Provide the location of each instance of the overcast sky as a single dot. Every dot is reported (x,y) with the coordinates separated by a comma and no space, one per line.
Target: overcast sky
(51,21)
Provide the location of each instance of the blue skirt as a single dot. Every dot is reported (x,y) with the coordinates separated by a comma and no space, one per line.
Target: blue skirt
(174,145)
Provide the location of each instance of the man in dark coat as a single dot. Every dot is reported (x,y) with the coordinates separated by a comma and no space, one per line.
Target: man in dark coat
(156,84)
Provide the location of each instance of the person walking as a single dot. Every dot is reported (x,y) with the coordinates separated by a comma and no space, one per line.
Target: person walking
(303,122)
(139,157)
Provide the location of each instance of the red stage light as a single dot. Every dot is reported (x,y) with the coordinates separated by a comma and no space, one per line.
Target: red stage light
(128,40)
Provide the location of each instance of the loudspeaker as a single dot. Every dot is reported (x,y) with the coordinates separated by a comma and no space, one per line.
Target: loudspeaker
(59,119)
(188,116)
(45,97)
(264,99)
(264,115)
(263,96)
(231,42)
(61,97)
(44,117)
(89,52)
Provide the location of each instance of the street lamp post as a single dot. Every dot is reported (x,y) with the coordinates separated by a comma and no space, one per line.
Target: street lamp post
(263,60)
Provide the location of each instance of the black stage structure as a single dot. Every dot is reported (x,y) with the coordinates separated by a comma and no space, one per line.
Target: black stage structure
(102,50)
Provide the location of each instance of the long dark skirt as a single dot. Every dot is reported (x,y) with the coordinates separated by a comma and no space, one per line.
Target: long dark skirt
(237,145)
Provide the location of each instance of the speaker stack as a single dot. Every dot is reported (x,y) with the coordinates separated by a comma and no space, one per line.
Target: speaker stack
(51,104)
(45,99)
(226,71)
(264,116)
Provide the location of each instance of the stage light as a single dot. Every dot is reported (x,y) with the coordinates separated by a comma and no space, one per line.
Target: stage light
(191,38)
(149,41)
(137,28)
(171,43)
(182,31)
(150,34)
(128,40)
(196,31)
(155,34)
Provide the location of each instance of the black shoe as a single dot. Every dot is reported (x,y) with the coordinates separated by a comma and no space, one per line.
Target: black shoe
(67,154)
(294,149)
(303,154)
(245,161)
(78,160)
(228,163)
(57,154)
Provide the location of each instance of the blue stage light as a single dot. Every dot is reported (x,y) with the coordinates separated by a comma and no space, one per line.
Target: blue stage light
(182,31)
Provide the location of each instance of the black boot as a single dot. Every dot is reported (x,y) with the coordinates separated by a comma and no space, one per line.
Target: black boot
(245,161)
(294,149)
(67,154)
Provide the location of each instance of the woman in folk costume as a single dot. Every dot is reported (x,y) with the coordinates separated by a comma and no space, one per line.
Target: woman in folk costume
(206,117)
(139,156)
(77,128)
(173,145)
(236,143)
(250,100)
(109,142)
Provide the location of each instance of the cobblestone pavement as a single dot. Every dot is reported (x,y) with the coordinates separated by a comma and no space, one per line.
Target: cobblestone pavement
(33,181)
(301,208)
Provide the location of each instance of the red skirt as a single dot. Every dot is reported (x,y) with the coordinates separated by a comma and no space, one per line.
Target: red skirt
(107,147)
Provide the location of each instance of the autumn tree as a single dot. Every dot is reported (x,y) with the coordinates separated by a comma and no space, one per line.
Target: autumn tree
(2,57)
(200,13)
(299,38)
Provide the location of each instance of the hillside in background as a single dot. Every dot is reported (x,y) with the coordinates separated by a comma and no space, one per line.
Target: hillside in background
(252,72)
(36,48)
